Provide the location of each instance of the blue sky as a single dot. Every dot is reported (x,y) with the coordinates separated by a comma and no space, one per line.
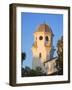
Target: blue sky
(29,22)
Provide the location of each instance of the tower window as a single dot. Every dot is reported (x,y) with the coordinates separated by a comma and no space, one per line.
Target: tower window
(40,38)
(39,55)
(46,38)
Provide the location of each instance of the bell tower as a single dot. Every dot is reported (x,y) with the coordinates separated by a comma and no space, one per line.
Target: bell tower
(42,48)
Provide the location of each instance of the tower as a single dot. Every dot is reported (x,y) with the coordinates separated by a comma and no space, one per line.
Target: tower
(42,48)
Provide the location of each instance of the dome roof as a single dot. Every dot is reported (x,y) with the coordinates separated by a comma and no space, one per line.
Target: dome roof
(44,28)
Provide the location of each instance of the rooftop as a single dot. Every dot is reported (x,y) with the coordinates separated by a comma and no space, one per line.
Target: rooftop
(44,28)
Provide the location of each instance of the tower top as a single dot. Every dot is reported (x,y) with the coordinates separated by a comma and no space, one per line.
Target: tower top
(44,28)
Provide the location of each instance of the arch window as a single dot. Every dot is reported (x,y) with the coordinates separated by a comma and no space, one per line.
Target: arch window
(46,38)
(40,55)
(40,38)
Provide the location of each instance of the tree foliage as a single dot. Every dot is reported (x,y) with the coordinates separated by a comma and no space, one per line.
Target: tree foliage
(23,57)
(30,72)
(60,55)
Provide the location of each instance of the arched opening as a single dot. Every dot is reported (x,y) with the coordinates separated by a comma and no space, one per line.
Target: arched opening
(40,55)
(40,38)
(46,38)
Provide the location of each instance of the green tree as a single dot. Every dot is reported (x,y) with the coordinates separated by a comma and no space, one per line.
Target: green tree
(60,55)
(26,71)
(39,72)
(33,72)
(30,72)
(23,57)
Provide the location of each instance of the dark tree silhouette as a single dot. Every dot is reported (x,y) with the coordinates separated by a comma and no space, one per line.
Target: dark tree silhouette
(23,57)
(60,56)
(27,72)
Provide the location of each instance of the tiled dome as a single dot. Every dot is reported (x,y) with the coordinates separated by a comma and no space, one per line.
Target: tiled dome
(44,28)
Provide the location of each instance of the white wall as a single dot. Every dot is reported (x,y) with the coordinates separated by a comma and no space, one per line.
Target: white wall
(4,45)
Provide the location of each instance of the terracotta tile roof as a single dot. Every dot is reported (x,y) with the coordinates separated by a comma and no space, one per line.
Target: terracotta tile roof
(44,28)
(51,59)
